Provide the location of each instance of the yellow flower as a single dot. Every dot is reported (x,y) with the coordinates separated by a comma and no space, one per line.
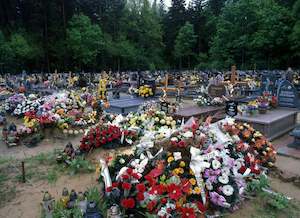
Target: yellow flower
(181,171)
(170,159)
(192,172)
(182,164)
(197,190)
(176,171)
(193,181)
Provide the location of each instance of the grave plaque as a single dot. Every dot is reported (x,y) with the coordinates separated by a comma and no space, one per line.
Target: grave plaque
(268,83)
(216,90)
(231,108)
(287,94)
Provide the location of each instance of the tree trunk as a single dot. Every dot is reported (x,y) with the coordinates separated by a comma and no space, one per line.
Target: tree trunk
(45,6)
(65,27)
(180,63)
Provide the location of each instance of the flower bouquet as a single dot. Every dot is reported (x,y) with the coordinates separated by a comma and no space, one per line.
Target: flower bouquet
(145,91)
(263,103)
(12,102)
(106,136)
(273,102)
(252,108)
(202,100)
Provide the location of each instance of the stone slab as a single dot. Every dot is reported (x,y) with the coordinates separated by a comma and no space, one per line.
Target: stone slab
(196,111)
(274,123)
(289,152)
(124,106)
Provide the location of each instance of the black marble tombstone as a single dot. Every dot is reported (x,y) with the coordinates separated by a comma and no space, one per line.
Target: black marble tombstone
(268,82)
(287,94)
(231,108)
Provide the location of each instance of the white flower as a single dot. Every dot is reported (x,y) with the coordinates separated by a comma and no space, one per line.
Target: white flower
(216,164)
(188,134)
(177,155)
(122,161)
(225,171)
(209,186)
(227,190)
(224,179)
(174,139)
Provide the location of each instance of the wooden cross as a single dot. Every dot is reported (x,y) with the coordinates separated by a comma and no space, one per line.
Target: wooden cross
(165,89)
(234,78)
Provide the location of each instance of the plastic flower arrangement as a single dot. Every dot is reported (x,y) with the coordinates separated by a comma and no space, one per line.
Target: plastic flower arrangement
(30,104)
(12,102)
(202,101)
(252,108)
(208,173)
(252,143)
(31,121)
(161,119)
(145,91)
(107,136)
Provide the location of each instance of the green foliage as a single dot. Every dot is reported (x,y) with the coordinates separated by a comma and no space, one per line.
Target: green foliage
(122,35)
(80,165)
(251,33)
(256,185)
(185,42)
(84,40)
(61,212)
(278,202)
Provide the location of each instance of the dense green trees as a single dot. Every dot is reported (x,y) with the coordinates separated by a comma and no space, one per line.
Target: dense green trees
(143,34)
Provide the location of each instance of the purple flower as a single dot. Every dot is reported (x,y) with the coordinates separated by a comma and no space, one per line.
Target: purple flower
(217,199)
(230,162)
(212,175)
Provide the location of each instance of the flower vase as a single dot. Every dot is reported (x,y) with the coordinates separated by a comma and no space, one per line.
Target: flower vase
(262,110)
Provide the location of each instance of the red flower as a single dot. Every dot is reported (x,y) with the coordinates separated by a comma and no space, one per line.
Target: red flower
(174,191)
(125,176)
(151,205)
(157,189)
(186,185)
(187,212)
(126,185)
(201,207)
(242,169)
(150,180)
(128,203)
(141,187)
(109,139)
(129,171)
(140,196)
(115,184)
(163,200)
(181,144)
(136,176)
(109,189)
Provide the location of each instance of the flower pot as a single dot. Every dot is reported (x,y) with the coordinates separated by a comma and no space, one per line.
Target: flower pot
(262,110)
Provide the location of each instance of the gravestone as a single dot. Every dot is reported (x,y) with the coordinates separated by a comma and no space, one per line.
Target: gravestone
(216,90)
(287,94)
(268,83)
(231,108)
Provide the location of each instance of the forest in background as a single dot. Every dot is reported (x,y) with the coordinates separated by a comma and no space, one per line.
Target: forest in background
(90,35)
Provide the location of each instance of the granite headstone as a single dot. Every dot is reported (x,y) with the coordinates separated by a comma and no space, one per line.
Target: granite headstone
(216,90)
(287,94)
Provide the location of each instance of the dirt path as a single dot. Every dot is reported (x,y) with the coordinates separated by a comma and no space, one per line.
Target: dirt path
(27,202)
